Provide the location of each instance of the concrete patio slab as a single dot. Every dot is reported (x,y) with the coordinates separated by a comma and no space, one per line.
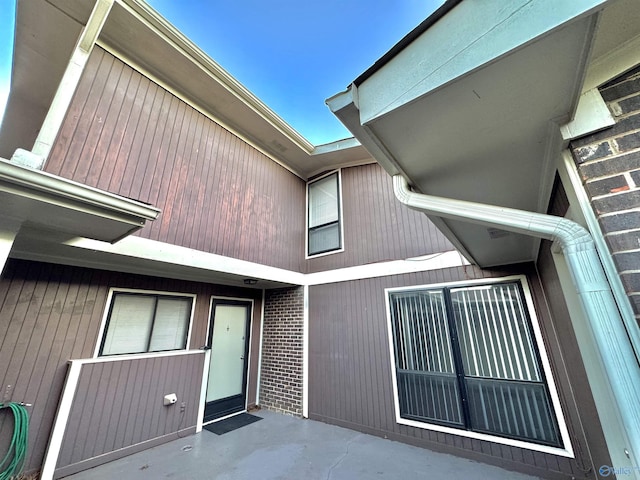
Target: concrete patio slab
(284,447)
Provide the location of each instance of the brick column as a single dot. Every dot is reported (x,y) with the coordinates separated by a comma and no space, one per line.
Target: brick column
(282,351)
(609,165)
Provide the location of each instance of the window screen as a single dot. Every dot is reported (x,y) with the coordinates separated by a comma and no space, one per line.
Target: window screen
(324,215)
(139,323)
(465,357)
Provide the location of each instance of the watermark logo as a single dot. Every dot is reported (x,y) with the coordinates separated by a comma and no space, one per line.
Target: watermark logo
(605,470)
(608,470)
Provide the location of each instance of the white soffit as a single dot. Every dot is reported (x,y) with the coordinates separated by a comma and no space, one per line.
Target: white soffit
(468,110)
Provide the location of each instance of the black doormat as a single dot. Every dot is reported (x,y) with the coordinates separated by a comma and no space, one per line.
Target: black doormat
(231,423)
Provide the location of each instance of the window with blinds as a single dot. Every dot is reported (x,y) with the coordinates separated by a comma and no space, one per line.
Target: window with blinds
(323,203)
(143,322)
(465,358)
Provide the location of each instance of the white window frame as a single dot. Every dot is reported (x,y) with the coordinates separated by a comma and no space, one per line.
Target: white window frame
(105,318)
(340,216)
(567,451)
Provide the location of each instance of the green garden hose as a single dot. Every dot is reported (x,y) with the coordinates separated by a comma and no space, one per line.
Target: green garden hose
(12,463)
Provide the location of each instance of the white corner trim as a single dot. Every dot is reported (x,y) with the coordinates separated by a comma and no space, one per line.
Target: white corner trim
(203,390)
(305,353)
(62,418)
(250,349)
(591,115)
(71,78)
(259,379)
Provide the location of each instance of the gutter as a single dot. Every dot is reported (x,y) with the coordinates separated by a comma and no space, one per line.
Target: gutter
(48,188)
(612,345)
(36,197)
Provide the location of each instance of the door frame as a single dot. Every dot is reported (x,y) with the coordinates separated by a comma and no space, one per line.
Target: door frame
(205,376)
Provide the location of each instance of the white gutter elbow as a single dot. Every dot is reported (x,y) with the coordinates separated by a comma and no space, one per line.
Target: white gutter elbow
(610,337)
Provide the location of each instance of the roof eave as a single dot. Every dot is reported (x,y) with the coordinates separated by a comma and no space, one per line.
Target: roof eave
(50,202)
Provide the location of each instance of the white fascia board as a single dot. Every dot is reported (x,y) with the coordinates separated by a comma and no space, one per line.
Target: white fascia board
(165,253)
(484,32)
(336,146)
(169,33)
(136,247)
(344,105)
(624,57)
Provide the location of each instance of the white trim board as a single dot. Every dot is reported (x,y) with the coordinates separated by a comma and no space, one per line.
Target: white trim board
(435,261)
(305,353)
(167,255)
(60,423)
(174,255)
(259,379)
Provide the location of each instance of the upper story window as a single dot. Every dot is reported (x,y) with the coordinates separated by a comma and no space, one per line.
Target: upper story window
(324,221)
(140,322)
(466,358)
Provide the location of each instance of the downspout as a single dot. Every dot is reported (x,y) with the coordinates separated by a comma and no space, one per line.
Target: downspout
(619,363)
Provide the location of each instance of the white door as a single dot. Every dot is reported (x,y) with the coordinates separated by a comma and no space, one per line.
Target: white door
(228,338)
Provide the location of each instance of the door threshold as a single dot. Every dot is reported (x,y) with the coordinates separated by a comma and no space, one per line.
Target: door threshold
(224,418)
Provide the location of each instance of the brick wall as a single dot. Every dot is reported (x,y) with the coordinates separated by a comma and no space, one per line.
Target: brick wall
(282,355)
(609,164)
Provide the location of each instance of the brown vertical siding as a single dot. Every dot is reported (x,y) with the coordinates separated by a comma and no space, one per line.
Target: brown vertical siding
(119,405)
(50,314)
(376,226)
(350,371)
(127,135)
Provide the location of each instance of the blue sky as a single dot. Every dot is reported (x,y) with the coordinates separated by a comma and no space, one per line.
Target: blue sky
(292,54)
(7,17)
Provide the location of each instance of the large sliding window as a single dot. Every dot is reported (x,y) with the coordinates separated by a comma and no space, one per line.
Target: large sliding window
(323,217)
(466,358)
(146,322)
